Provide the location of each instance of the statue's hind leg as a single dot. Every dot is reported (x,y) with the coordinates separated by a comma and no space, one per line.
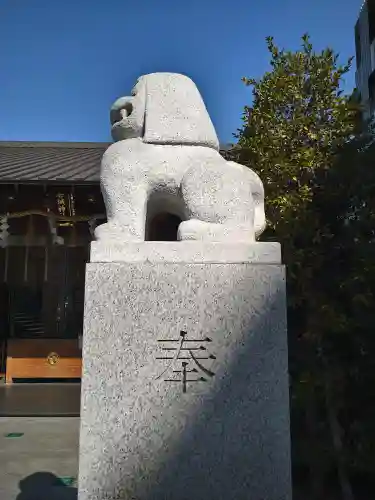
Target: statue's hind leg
(219,202)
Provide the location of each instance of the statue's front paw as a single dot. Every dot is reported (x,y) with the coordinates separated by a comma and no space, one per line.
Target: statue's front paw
(191,230)
(114,233)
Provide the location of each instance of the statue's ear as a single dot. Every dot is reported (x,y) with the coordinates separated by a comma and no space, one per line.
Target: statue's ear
(175,112)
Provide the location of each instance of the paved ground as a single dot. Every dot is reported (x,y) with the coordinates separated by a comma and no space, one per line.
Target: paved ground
(40,400)
(31,465)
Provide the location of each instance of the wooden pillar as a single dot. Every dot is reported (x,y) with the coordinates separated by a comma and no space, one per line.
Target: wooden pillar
(92,226)
(4,234)
(46,255)
(6,264)
(56,240)
(73,236)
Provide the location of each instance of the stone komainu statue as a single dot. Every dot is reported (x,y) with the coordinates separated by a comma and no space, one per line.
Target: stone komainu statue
(166,159)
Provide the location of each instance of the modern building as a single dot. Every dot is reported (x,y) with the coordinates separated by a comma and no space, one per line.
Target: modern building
(365,57)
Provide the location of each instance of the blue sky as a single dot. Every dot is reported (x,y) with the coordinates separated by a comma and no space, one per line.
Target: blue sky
(63,63)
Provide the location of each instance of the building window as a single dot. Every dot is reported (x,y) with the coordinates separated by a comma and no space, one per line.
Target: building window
(371,91)
(371,19)
(357,45)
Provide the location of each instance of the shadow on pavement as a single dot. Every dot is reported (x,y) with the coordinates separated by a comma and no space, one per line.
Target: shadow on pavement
(45,486)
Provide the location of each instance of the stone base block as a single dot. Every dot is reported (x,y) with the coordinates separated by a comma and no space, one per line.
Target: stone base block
(187,251)
(185,383)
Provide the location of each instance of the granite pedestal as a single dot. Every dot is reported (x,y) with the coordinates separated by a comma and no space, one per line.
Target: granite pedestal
(185,376)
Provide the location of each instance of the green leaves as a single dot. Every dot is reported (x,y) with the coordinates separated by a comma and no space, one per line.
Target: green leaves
(298,119)
(302,135)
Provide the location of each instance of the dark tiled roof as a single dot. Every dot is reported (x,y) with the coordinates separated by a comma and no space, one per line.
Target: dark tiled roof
(70,162)
(62,162)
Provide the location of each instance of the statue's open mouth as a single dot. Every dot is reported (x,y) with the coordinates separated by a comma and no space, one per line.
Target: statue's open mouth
(121,113)
(126,110)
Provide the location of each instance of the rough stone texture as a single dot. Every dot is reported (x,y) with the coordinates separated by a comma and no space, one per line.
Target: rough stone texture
(167,157)
(189,251)
(164,108)
(143,438)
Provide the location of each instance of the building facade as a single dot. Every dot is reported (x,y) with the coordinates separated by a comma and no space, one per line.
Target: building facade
(364,33)
(50,203)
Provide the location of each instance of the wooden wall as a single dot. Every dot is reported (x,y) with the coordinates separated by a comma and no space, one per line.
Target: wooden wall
(33,268)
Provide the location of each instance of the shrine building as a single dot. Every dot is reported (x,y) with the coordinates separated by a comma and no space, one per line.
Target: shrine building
(50,203)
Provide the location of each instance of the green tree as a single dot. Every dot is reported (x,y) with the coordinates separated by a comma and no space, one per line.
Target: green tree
(346,206)
(298,135)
